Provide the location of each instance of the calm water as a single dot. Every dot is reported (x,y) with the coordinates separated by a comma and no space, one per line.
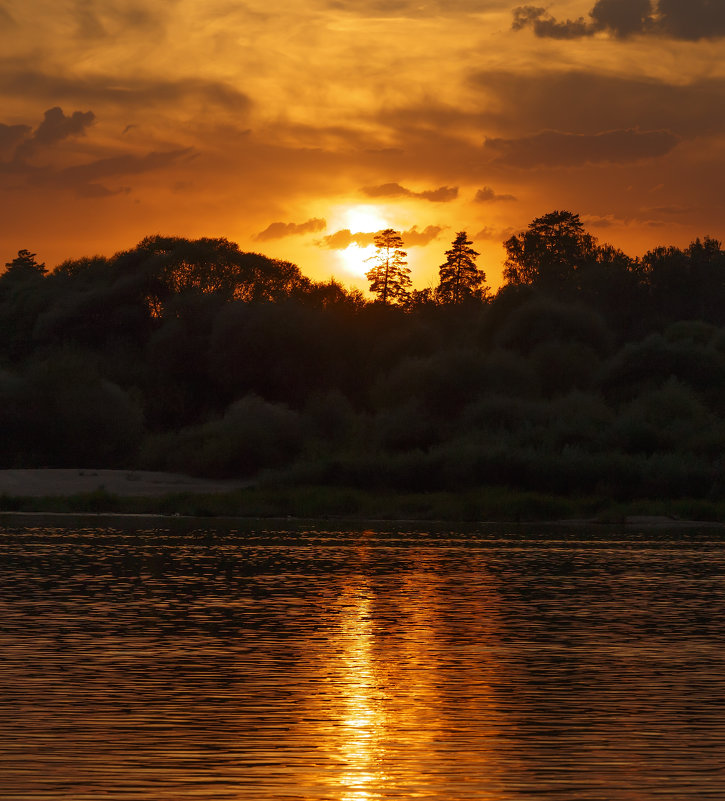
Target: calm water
(360,666)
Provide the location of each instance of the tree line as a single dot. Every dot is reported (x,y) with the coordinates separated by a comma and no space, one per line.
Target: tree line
(460,279)
(588,371)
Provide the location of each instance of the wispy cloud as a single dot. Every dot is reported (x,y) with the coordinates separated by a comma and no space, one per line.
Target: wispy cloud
(278,230)
(444,194)
(487,195)
(411,238)
(556,149)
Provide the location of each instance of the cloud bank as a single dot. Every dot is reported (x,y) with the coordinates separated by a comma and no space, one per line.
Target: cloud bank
(689,20)
(20,144)
(556,149)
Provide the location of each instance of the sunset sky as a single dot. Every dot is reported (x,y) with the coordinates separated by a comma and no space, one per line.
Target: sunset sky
(298,129)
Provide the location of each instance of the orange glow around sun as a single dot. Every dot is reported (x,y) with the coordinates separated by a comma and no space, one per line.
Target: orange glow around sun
(361,219)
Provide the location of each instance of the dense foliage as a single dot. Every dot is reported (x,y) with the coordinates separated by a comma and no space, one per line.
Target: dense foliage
(587,372)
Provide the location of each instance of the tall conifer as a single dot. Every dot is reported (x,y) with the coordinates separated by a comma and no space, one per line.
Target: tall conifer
(390,276)
(460,278)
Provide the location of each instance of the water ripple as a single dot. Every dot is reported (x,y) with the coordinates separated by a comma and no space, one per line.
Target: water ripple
(359,666)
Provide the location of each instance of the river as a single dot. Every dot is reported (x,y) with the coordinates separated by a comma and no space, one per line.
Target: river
(270,664)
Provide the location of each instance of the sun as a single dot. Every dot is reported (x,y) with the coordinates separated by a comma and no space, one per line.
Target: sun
(356,259)
(365,219)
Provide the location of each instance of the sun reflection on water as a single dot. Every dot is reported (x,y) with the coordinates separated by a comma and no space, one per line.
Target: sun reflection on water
(397,676)
(363,722)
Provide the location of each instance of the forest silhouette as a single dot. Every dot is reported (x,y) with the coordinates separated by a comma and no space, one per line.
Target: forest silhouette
(587,372)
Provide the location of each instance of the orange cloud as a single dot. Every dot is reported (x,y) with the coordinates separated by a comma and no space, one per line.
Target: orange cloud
(278,230)
(487,195)
(412,238)
(556,149)
(444,194)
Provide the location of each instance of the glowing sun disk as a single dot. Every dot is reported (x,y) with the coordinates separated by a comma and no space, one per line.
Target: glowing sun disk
(365,219)
(355,259)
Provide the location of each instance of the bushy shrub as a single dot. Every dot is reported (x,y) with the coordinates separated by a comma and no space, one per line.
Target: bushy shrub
(441,383)
(563,366)
(579,419)
(543,320)
(498,413)
(696,332)
(252,434)
(329,418)
(646,364)
(61,413)
(665,419)
(671,475)
(407,426)
(283,351)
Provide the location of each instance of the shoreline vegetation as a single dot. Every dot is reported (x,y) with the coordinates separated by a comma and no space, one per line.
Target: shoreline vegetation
(164,496)
(591,385)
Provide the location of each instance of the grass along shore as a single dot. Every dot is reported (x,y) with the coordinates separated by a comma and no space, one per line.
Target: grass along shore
(487,504)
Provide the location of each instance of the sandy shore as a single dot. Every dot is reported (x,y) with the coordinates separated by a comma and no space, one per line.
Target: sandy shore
(46,482)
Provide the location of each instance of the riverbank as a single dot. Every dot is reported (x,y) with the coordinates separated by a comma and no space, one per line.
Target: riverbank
(169,495)
(50,482)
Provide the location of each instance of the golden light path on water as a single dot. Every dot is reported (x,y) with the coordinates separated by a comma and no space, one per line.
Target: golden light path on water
(398,695)
(364,719)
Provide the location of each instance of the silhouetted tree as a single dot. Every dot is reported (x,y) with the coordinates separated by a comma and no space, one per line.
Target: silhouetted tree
(460,278)
(610,283)
(24,293)
(24,265)
(686,284)
(421,299)
(390,277)
(550,252)
(173,265)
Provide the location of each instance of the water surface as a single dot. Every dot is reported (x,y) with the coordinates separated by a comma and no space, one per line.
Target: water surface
(355,666)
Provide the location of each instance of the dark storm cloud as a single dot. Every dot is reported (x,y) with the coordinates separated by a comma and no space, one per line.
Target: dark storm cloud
(444,194)
(411,238)
(17,80)
(555,149)
(588,103)
(689,20)
(487,195)
(278,230)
